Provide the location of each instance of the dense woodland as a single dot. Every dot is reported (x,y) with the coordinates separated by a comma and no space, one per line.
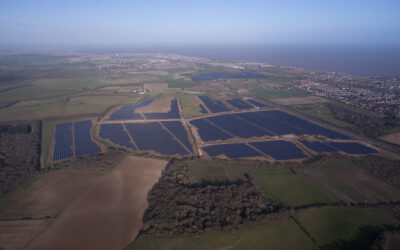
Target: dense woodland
(19,154)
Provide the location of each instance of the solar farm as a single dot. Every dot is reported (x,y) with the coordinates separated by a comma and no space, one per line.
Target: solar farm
(229,128)
(74,139)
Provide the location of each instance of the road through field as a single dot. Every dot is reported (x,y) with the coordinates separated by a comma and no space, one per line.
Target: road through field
(109,214)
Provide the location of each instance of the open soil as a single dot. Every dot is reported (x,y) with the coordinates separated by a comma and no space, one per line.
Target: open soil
(48,196)
(393,138)
(160,105)
(109,214)
(16,234)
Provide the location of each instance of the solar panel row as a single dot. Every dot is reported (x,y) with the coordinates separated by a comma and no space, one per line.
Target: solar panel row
(257,104)
(126,112)
(63,141)
(151,136)
(83,141)
(280,150)
(215,106)
(115,133)
(203,109)
(239,104)
(176,128)
(258,124)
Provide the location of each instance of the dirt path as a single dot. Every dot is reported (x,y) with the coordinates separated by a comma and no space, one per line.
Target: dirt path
(109,214)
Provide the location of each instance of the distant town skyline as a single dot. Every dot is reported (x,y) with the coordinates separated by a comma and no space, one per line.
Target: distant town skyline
(126,23)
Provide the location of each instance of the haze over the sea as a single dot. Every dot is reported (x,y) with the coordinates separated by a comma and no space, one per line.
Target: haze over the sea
(357,36)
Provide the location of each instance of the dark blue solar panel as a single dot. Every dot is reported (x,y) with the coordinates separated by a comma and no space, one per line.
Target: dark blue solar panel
(209,132)
(352,147)
(318,147)
(280,150)
(172,114)
(215,106)
(83,141)
(239,104)
(257,104)
(237,126)
(270,124)
(235,150)
(126,112)
(203,109)
(151,136)
(176,128)
(63,141)
(303,124)
(116,133)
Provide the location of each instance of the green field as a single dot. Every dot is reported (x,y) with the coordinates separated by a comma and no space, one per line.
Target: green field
(282,186)
(62,106)
(278,184)
(275,94)
(190,107)
(172,84)
(284,234)
(330,224)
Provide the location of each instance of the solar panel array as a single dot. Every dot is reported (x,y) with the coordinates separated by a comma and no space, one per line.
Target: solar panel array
(237,126)
(239,104)
(234,150)
(209,132)
(203,109)
(258,124)
(126,112)
(172,114)
(116,133)
(83,141)
(215,106)
(63,141)
(151,136)
(352,147)
(276,127)
(280,150)
(303,124)
(318,147)
(257,104)
(176,128)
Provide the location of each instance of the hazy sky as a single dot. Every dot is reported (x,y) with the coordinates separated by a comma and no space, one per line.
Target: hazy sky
(130,22)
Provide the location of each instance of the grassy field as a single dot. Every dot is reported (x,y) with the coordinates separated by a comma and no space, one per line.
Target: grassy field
(190,106)
(329,224)
(62,106)
(272,236)
(350,182)
(278,184)
(282,186)
(179,84)
(276,94)
(323,112)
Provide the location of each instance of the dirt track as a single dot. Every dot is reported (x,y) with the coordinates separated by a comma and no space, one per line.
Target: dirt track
(109,214)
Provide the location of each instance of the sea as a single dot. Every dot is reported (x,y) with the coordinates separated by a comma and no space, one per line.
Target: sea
(365,60)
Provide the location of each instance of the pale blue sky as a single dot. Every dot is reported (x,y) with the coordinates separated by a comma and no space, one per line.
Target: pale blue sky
(125,23)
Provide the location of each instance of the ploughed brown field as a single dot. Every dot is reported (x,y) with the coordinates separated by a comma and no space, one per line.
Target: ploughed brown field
(107,214)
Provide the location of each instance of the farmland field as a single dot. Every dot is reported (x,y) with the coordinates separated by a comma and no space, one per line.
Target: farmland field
(264,237)
(330,224)
(185,152)
(122,207)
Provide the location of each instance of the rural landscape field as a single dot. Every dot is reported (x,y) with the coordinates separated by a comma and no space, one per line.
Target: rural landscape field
(163,151)
(199,125)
